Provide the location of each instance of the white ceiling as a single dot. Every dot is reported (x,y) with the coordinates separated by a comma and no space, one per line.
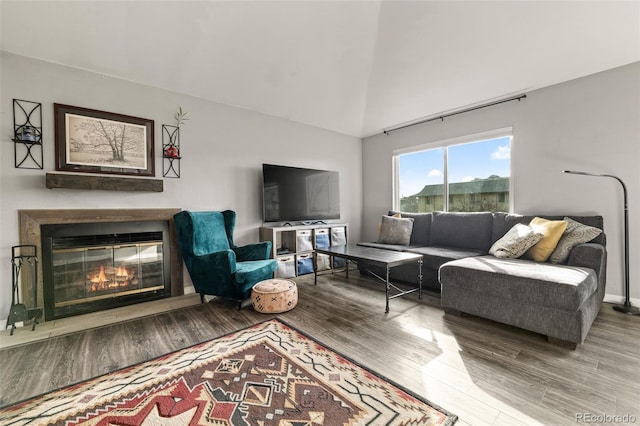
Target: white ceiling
(354,67)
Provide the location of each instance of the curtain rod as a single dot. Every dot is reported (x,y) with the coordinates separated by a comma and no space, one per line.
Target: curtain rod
(443,116)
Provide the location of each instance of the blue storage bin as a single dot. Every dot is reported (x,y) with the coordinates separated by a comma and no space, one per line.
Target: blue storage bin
(322,241)
(305,265)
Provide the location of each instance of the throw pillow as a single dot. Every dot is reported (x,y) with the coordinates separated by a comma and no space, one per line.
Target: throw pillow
(515,242)
(575,234)
(394,230)
(394,215)
(552,231)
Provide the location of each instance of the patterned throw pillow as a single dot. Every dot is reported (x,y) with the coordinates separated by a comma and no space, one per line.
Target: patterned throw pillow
(515,242)
(394,230)
(575,234)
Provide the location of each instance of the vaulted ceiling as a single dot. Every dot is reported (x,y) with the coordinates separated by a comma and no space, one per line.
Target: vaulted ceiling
(354,67)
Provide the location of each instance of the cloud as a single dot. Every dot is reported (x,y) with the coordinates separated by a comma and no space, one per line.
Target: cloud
(503,153)
(435,173)
(467,179)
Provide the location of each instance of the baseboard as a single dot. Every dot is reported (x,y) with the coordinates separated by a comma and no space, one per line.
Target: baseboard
(615,299)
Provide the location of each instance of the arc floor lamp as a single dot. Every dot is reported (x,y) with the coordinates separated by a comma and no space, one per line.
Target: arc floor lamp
(626,307)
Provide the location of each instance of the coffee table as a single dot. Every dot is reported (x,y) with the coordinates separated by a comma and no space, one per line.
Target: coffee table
(377,257)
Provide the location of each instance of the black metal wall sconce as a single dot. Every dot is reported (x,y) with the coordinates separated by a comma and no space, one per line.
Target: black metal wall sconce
(27,134)
(171,151)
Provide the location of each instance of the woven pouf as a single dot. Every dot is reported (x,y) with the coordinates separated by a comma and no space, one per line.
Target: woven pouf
(274,296)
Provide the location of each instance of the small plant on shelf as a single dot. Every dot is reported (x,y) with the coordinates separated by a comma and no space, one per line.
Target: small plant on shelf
(180,117)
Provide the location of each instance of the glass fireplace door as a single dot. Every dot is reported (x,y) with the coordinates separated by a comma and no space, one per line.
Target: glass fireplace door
(88,274)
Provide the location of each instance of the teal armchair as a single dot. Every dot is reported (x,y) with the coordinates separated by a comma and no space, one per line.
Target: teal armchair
(216,265)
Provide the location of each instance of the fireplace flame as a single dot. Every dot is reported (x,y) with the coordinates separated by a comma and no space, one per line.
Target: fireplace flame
(100,277)
(121,273)
(101,281)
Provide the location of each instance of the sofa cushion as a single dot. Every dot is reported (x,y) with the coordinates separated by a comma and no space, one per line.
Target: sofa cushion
(503,222)
(395,247)
(575,234)
(515,242)
(462,230)
(434,257)
(552,231)
(395,230)
(253,271)
(540,284)
(421,226)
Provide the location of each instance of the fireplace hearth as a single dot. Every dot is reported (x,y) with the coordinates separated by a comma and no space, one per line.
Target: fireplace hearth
(102,258)
(95,266)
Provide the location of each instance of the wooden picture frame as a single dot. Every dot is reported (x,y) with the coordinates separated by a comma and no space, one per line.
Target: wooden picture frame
(92,141)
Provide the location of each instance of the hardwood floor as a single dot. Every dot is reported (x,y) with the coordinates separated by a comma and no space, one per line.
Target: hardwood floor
(486,373)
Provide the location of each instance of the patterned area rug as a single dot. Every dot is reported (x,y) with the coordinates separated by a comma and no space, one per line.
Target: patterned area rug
(268,374)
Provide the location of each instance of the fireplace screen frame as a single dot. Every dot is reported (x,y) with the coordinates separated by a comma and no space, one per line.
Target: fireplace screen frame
(49,232)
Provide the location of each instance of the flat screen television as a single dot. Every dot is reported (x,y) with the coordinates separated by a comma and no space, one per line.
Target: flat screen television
(296,194)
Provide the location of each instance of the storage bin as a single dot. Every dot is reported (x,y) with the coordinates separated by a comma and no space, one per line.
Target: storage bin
(286,267)
(321,237)
(339,262)
(323,262)
(303,241)
(305,264)
(338,236)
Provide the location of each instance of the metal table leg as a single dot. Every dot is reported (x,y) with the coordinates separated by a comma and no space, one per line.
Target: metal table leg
(420,278)
(387,290)
(315,268)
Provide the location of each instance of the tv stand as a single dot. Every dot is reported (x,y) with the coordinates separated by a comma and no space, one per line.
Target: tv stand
(293,246)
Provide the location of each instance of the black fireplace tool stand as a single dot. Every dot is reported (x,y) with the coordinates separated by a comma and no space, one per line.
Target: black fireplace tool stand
(23,256)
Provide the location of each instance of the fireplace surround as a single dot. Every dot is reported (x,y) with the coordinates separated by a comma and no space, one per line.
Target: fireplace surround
(36,224)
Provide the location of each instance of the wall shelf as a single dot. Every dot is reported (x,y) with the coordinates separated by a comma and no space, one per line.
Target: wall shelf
(27,134)
(105,183)
(170,151)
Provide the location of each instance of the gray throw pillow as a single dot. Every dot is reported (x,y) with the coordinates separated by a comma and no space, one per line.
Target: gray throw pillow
(575,234)
(515,242)
(395,230)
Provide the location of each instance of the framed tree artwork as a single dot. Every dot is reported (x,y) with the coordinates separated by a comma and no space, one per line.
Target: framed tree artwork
(91,141)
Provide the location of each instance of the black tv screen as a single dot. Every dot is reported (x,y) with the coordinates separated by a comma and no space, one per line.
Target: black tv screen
(297,194)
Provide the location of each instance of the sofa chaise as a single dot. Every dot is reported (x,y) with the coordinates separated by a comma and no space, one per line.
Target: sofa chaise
(559,300)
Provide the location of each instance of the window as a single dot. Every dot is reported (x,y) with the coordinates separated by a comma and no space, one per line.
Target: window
(463,175)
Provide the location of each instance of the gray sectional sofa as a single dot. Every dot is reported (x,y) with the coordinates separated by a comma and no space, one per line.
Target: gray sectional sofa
(557,300)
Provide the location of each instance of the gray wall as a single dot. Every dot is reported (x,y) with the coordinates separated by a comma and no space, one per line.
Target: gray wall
(223,149)
(590,124)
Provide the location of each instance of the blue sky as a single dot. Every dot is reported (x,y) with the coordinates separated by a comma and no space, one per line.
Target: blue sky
(466,162)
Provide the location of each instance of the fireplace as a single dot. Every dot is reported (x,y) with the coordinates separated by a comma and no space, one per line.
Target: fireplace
(93,260)
(94,266)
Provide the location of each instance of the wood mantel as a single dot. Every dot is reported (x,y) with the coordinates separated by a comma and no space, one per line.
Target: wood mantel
(31,220)
(107,183)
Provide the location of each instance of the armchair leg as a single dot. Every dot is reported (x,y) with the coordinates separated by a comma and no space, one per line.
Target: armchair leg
(244,303)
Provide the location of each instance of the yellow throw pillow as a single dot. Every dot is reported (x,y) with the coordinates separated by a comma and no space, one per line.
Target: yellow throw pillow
(552,231)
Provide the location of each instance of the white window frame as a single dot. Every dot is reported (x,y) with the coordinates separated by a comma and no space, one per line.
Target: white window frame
(446,143)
